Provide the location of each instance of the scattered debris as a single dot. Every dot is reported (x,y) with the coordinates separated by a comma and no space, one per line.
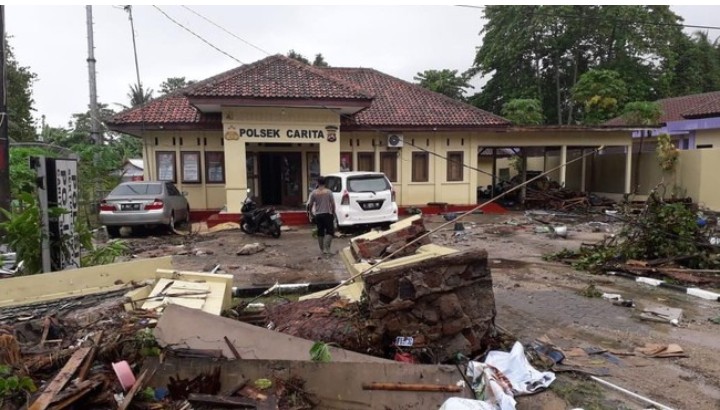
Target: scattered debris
(618,300)
(663,314)
(663,239)
(496,381)
(659,350)
(251,249)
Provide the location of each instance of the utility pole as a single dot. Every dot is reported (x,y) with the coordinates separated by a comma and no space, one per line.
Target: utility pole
(4,138)
(137,67)
(95,132)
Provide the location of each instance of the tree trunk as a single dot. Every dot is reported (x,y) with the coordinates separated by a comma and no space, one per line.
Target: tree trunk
(574,81)
(557,92)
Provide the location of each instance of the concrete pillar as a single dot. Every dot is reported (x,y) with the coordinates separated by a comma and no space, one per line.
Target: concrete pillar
(377,154)
(628,169)
(330,156)
(563,160)
(582,171)
(235,174)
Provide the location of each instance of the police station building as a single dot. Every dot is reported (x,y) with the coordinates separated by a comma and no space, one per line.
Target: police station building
(275,125)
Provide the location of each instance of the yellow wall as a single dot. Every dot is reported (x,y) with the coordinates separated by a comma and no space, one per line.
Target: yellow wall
(708,137)
(284,121)
(436,189)
(200,196)
(695,175)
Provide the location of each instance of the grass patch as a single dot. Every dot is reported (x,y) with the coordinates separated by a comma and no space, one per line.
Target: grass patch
(591,292)
(580,393)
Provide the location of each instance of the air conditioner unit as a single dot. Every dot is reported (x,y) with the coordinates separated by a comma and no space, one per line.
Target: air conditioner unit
(394,140)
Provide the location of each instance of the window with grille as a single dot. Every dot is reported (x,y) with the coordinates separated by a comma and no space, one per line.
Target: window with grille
(455,166)
(388,165)
(420,167)
(366,161)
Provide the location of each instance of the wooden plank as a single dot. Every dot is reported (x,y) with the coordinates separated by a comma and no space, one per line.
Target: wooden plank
(90,357)
(46,329)
(66,398)
(133,391)
(412,387)
(231,402)
(57,383)
(232,348)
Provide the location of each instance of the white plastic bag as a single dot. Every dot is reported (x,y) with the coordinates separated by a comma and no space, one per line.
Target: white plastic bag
(524,378)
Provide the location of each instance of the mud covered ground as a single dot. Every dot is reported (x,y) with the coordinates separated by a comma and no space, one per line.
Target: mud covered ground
(534,299)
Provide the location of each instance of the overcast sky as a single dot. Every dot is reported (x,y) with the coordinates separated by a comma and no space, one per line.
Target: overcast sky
(398,40)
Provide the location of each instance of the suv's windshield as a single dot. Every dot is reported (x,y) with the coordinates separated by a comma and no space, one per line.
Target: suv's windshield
(137,189)
(368,183)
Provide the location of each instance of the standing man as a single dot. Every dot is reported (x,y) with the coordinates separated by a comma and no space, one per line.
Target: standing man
(322,199)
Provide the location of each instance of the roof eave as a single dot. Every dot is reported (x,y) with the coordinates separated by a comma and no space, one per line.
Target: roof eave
(137,129)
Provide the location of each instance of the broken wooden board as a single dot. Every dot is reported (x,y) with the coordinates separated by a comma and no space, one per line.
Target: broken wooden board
(176,292)
(208,332)
(335,385)
(57,383)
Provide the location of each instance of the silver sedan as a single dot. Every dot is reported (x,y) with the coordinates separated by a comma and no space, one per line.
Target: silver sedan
(143,204)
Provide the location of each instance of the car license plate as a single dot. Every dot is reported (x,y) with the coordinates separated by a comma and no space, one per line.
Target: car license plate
(130,207)
(371,205)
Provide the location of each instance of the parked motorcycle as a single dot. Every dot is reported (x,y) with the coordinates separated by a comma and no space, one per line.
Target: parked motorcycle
(259,220)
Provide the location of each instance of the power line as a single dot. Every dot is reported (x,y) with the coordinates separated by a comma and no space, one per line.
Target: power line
(195,34)
(225,30)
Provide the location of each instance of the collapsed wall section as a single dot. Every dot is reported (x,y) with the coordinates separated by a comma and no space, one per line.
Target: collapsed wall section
(445,303)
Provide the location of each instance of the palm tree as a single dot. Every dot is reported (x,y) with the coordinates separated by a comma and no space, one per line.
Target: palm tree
(138,96)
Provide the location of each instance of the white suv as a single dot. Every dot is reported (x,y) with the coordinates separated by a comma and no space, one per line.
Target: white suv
(362,198)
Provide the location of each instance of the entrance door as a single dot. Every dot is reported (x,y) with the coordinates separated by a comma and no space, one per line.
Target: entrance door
(280,178)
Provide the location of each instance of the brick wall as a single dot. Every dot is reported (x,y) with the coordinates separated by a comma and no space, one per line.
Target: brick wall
(446,303)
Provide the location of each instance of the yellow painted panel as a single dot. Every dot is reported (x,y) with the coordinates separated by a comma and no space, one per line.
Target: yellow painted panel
(708,137)
(220,297)
(215,196)
(78,282)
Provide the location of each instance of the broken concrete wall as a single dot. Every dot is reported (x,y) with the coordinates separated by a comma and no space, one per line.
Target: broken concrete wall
(445,303)
(335,385)
(77,282)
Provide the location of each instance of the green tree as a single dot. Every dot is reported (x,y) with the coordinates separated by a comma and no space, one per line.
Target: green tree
(600,92)
(523,111)
(174,83)
(139,95)
(697,68)
(297,56)
(320,61)
(446,82)
(21,125)
(645,113)
(542,52)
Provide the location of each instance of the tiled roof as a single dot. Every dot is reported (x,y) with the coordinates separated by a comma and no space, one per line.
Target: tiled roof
(276,77)
(173,108)
(394,102)
(400,103)
(678,108)
(709,109)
